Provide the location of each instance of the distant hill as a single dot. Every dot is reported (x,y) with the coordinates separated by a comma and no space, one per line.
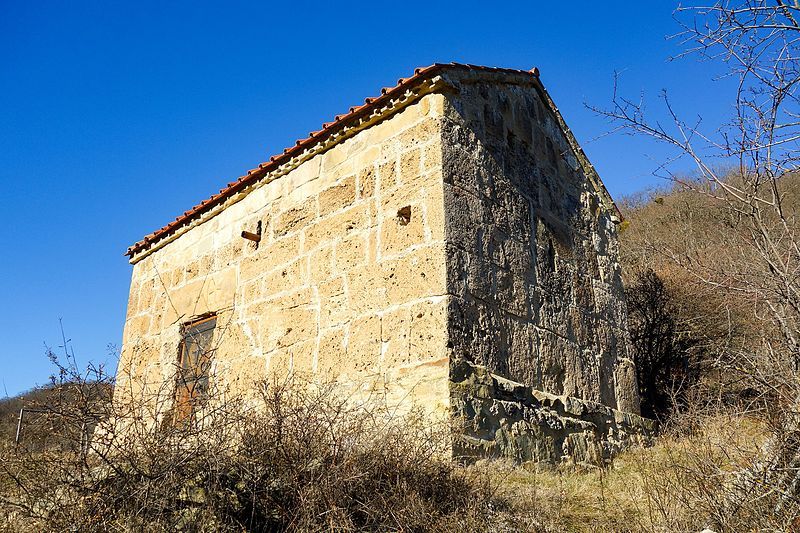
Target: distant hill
(56,398)
(696,285)
(9,409)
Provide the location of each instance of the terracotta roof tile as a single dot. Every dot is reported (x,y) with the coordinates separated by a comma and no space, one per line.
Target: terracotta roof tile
(328,128)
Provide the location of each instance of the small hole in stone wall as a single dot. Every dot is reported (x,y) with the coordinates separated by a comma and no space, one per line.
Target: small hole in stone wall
(551,255)
(404,215)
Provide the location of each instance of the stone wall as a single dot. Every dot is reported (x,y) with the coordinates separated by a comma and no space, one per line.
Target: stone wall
(531,249)
(347,283)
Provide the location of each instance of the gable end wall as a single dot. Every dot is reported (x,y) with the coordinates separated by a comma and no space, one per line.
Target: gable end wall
(532,253)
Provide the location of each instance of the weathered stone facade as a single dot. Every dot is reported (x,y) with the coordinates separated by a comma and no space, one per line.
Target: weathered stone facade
(453,222)
(532,252)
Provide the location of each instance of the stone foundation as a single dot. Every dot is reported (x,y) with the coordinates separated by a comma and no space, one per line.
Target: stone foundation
(498,418)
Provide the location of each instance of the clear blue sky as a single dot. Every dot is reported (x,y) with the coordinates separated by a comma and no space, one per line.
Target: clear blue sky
(117,116)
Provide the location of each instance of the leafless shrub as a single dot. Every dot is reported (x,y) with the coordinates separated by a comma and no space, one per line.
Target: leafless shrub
(293,456)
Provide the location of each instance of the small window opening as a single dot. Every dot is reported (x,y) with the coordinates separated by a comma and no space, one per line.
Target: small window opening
(194,365)
(404,215)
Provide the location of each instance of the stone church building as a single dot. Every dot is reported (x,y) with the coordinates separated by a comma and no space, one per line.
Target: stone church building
(446,245)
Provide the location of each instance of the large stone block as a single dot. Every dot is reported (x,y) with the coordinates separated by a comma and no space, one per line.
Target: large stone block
(428,330)
(332,353)
(338,197)
(626,386)
(405,230)
(338,226)
(351,252)
(321,265)
(299,323)
(417,274)
(333,302)
(286,278)
(387,174)
(367,290)
(418,134)
(280,251)
(137,327)
(221,287)
(367,181)
(410,165)
(363,346)
(432,156)
(395,333)
(295,218)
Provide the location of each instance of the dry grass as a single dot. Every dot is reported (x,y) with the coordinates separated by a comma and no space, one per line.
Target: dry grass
(672,486)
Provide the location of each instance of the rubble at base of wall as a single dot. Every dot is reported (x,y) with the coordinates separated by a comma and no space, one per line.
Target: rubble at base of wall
(499,418)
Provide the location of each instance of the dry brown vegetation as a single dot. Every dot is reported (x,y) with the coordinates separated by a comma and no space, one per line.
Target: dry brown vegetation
(307,460)
(726,246)
(724,304)
(295,457)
